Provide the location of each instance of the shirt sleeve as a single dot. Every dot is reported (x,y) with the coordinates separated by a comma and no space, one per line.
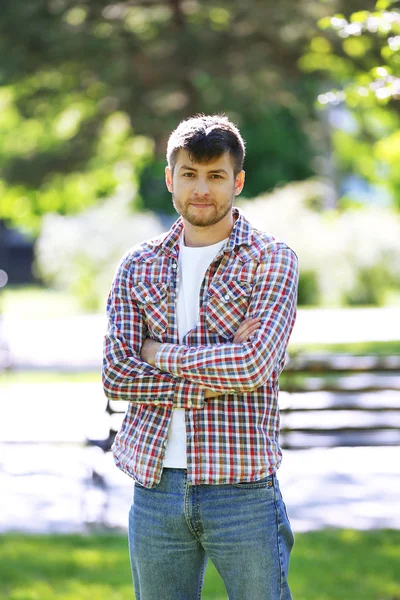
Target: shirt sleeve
(125,376)
(246,366)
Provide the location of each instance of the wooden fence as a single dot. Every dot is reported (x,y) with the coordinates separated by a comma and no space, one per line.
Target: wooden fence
(327,401)
(340,400)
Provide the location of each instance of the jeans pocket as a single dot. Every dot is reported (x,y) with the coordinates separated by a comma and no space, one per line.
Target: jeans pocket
(266,482)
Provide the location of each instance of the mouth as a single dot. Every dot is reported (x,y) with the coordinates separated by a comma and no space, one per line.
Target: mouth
(201,205)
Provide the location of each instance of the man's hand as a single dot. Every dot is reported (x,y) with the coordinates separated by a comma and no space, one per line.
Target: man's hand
(246,329)
(149,351)
(244,332)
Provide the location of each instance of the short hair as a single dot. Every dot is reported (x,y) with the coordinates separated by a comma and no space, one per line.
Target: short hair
(206,137)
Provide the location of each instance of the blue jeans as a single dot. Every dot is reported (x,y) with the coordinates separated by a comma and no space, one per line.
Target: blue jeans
(243,528)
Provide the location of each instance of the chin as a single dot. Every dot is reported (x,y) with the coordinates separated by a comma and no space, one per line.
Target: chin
(198,223)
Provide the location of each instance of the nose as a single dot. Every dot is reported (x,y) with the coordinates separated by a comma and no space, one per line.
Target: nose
(201,188)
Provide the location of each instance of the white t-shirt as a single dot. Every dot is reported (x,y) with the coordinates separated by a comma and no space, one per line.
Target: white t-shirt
(193,264)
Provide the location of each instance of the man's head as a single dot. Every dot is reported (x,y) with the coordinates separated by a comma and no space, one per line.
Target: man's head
(204,173)
(205,138)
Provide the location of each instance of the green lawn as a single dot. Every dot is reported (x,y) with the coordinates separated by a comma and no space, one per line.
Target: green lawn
(44,376)
(355,348)
(32,301)
(326,565)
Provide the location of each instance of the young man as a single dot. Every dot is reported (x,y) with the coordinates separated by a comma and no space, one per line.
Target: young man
(199,322)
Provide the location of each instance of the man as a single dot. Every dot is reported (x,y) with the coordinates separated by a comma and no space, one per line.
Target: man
(199,322)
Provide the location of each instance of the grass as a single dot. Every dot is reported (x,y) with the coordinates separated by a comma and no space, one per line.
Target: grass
(356,348)
(36,302)
(326,565)
(44,376)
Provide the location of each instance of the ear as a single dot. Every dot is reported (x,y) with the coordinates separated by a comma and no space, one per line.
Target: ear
(168,179)
(239,182)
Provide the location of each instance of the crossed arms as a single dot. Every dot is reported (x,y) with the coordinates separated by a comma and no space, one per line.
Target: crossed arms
(143,370)
(245,331)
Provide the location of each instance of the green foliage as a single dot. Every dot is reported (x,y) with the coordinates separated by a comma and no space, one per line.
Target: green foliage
(89,91)
(349,257)
(325,565)
(360,54)
(44,164)
(308,292)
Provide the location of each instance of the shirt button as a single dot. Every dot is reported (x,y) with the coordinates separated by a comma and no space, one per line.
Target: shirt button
(226,297)
(190,403)
(147,298)
(174,265)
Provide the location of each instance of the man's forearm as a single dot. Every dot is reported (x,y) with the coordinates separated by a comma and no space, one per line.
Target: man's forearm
(127,377)
(148,354)
(244,332)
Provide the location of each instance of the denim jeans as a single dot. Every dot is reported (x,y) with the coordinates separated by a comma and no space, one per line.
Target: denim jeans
(243,528)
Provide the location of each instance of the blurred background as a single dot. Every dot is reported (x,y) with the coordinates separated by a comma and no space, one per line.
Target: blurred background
(89,93)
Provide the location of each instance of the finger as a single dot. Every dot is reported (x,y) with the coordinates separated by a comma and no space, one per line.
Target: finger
(244,335)
(251,330)
(248,325)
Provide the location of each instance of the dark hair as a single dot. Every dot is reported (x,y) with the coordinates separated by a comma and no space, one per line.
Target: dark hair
(206,137)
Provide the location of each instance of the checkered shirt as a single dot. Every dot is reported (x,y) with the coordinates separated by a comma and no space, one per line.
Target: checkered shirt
(233,437)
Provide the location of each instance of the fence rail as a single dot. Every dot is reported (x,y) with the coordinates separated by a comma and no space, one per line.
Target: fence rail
(340,400)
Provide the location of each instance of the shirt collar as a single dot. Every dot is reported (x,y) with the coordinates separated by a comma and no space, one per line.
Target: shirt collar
(241,234)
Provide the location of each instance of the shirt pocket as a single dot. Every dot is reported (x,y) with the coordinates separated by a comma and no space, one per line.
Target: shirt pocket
(152,301)
(226,306)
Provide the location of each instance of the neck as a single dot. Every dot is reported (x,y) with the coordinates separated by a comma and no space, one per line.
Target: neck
(197,237)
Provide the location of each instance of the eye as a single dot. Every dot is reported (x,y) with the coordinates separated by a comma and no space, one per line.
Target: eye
(216,176)
(188,174)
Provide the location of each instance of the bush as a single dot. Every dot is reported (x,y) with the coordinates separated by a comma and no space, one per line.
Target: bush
(346,258)
(80,253)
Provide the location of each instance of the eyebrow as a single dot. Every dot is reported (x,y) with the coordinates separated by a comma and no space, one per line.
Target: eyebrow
(187,168)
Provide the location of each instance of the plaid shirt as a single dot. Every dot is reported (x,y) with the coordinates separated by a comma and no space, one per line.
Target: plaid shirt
(233,437)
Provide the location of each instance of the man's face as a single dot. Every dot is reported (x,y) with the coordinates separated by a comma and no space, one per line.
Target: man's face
(203,193)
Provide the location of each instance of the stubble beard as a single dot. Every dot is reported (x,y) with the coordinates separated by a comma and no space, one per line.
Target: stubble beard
(199,220)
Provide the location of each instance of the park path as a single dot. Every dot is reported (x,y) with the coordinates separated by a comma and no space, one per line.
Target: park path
(63,488)
(51,482)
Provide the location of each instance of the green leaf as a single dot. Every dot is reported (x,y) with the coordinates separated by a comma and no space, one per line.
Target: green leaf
(360,17)
(356,47)
(321,45)
(324,23)
(383,4)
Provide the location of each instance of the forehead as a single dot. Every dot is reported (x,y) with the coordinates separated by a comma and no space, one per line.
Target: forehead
(224,161)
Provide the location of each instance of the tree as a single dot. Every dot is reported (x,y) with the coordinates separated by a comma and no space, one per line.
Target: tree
(360,54)
(90,88)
